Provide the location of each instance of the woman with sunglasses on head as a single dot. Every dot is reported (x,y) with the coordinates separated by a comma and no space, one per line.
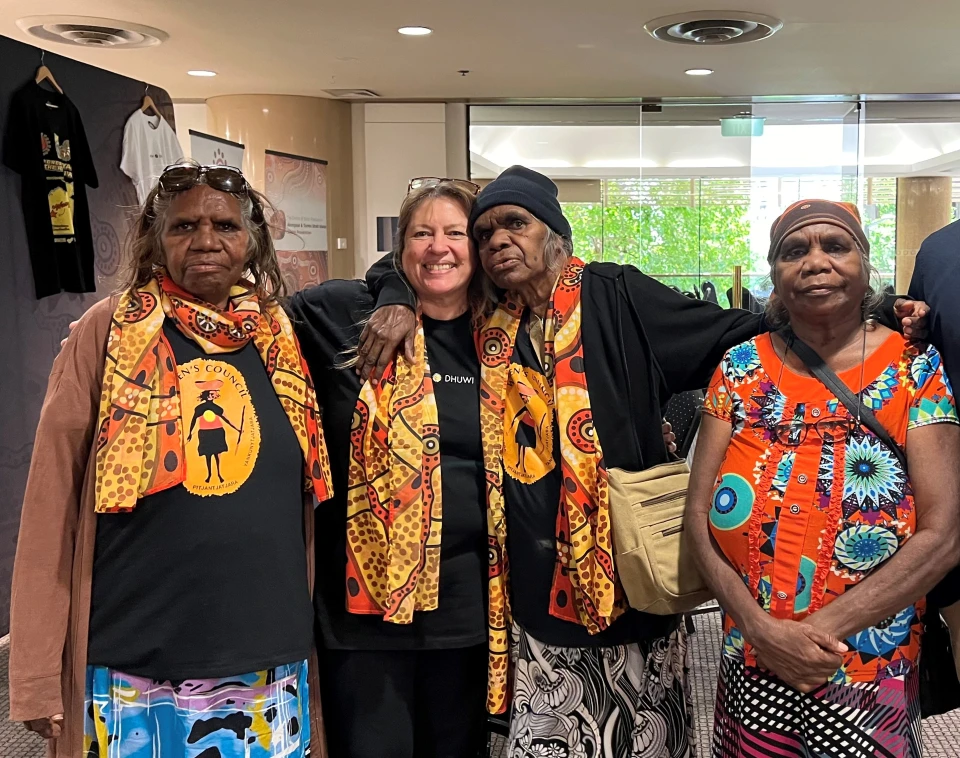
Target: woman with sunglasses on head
(156,610)
(817,539)
(402,546)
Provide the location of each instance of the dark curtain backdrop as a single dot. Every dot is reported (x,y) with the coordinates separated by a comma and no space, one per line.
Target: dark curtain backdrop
(31,329)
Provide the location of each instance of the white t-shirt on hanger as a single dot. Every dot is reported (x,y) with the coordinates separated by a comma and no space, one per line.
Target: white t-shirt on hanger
(149,146)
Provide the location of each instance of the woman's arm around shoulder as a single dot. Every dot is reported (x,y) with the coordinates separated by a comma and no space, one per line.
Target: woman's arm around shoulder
(393,321)
(327,320)
(688,337)
(330,309)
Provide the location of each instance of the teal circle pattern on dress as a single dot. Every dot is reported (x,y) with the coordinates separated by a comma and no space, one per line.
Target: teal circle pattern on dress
(886,636)
(804,585)
(732,502)
(862,547)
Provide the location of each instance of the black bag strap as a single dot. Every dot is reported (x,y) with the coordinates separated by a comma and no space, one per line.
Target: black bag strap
(833,383)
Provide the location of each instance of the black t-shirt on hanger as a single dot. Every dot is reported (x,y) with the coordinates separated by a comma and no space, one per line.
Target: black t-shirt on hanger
(45,143)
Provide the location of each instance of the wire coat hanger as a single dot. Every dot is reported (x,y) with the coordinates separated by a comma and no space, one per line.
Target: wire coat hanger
(45,74)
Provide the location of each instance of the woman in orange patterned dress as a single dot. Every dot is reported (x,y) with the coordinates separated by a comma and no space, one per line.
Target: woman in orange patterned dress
(818,543)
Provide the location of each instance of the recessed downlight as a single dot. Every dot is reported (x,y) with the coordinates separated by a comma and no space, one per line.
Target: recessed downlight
(201,72)
(698,71)
(415,31)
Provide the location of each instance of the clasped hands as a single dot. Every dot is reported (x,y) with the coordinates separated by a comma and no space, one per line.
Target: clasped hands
(802,653)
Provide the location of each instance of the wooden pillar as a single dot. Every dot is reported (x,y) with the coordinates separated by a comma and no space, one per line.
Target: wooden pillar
(923,207)
(314,127)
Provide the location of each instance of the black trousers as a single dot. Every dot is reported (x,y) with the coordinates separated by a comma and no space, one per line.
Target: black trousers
(404,704)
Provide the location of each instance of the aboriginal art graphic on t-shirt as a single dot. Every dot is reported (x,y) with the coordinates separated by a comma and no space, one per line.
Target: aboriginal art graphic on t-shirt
(223,434)
(528,436)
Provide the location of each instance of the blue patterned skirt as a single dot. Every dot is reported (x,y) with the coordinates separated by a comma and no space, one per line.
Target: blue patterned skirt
(260,715)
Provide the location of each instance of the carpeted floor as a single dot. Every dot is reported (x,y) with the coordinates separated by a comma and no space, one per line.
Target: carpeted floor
(15,741)
(941,735)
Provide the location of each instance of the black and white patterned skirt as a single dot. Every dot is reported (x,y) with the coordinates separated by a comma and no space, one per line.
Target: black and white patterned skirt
(627,701)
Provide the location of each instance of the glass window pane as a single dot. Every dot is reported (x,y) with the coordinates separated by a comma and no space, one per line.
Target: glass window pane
(662,187)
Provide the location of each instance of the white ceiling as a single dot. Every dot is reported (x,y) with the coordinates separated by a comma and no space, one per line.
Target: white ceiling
(528,49)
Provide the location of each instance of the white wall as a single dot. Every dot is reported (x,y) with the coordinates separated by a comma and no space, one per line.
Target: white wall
(189,115)
(401,141)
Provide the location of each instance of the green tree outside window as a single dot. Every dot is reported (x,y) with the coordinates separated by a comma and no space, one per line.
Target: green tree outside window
(667,230)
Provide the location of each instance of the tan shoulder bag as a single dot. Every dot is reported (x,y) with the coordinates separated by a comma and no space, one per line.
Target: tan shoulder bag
(653,557)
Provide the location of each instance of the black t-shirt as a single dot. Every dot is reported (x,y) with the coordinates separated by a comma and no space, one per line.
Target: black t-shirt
(209,578)
(325,319)
(45,143)
(452,354)
(531,509)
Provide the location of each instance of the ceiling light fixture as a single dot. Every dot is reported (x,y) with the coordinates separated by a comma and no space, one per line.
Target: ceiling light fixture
(415,31)
(100,33)
(713,27)
(698,71)
(201,72)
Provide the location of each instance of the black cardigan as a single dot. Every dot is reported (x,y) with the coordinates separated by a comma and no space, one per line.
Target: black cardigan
(642,343)
(936,279)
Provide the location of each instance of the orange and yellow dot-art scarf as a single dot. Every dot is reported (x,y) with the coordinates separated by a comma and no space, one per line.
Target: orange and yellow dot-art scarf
(394,498)
(140,435)
(394,501)
(585,589)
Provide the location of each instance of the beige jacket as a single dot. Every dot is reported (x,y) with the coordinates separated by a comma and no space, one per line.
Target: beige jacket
(52,573)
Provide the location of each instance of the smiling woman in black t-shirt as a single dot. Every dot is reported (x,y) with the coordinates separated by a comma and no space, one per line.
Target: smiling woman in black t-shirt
(402,547)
